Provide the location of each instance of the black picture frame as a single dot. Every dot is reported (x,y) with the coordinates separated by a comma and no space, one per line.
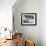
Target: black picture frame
(29,19)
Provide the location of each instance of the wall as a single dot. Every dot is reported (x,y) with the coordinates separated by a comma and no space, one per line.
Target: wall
(29,32)
(6,13)
(43,22)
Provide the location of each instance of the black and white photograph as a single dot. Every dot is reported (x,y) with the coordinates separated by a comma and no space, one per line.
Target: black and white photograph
(28,19)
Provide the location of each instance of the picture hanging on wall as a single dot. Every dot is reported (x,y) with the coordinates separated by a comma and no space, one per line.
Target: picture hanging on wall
(29,19)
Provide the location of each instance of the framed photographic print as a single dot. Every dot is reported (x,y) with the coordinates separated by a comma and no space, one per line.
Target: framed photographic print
(28,18)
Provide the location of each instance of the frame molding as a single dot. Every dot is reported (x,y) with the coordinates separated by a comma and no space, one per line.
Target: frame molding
(29,24)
